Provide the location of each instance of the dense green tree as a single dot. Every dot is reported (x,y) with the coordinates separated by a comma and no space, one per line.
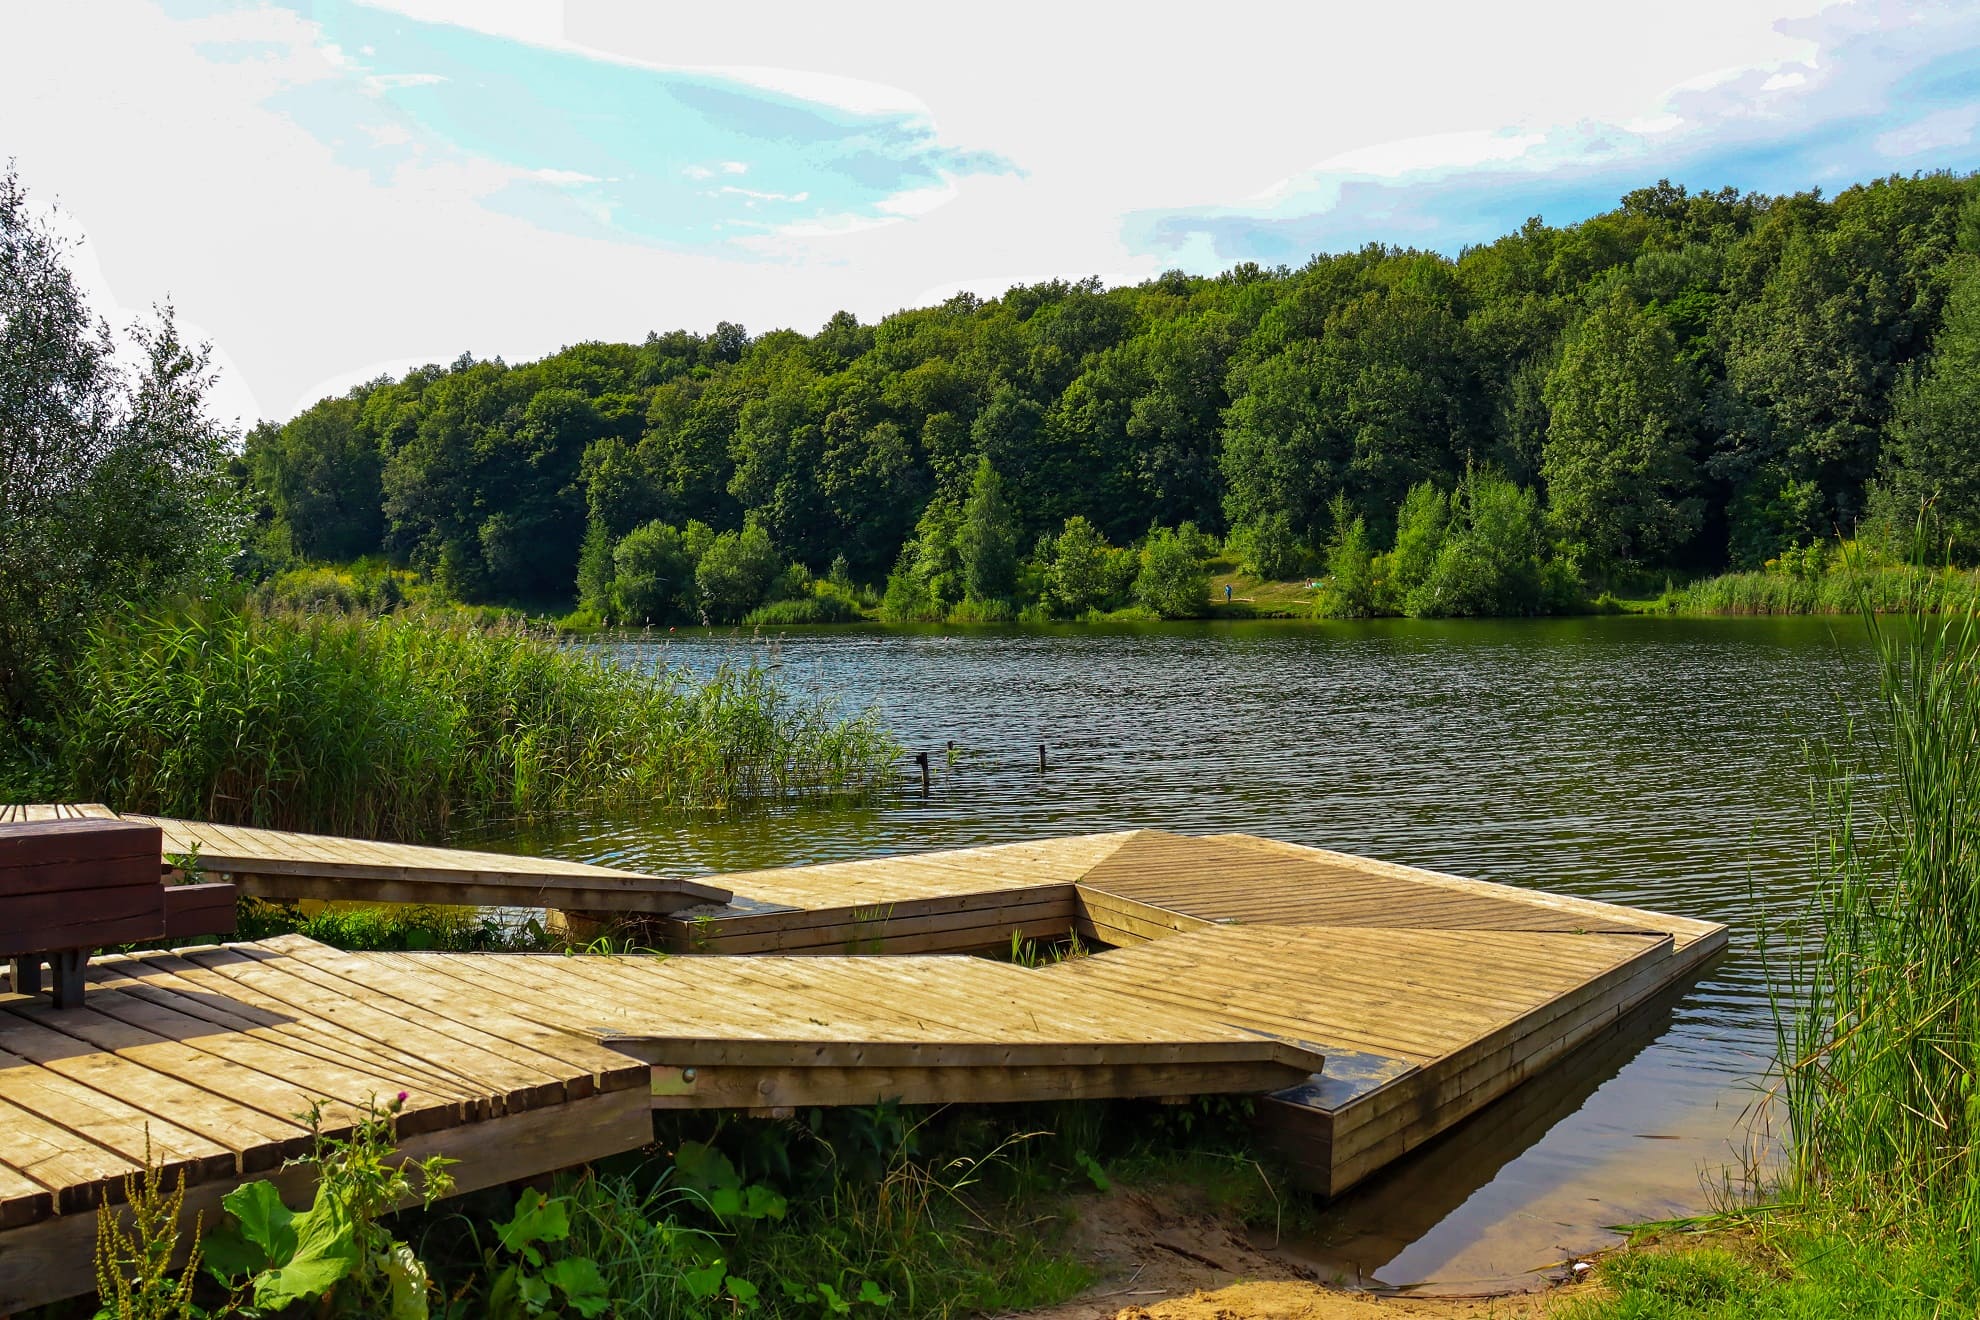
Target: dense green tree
(1489,559)
(1689,379)
(1420,525)
(1172,581)
(1931,460)
(320,474)
(735,572)
(1076,568)
(987,537)
(1618,459)
(654,573)
(114,485)
(1350,587)
(596,570)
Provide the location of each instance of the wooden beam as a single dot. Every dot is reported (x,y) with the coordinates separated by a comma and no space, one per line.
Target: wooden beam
(55,1258)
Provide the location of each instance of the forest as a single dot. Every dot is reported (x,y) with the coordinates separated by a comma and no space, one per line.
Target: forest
(1689,383)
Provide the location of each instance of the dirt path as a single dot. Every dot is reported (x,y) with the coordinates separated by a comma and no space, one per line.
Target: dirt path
(1159,1257)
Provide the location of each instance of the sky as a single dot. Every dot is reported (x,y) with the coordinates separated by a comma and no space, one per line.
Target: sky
(329,189)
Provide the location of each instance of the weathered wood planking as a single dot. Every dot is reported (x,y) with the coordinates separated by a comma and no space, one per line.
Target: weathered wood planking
(1431,994)
(1240,965)
(283,864)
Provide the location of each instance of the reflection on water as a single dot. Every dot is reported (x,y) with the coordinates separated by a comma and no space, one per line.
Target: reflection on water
(1654,762)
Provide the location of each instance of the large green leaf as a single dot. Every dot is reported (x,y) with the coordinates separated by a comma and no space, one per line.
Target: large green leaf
(409,1283)
(538,1218)
(264,1221)
(577,1277)
(704,1168)
(325,1251)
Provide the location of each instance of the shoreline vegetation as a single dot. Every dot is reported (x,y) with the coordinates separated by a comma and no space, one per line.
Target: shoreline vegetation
(1876,997)
(1691,384)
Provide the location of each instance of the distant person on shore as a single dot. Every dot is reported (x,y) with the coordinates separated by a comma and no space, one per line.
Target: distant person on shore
(1227,593)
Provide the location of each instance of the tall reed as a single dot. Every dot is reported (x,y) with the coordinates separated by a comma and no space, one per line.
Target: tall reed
(1846,589)
(388,727)
(1879,1010)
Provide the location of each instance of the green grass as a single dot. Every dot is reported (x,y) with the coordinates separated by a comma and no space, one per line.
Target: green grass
(887,1211)
(388,727)
(805,610)
(1807,1268)
(395,928)
(1257,598)
(1835,589)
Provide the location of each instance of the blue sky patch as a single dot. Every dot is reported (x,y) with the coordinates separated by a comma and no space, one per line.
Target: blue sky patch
(593,146)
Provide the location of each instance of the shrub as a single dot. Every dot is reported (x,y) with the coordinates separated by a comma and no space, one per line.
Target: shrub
(1270,548)
(821,608)
(1076,568)
(1350,589)
(1172,581)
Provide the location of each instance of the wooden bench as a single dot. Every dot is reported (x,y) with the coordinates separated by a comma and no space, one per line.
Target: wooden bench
(69,887)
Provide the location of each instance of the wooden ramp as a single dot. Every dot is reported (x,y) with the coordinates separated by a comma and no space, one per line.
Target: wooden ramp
(284,865)
(1430,994)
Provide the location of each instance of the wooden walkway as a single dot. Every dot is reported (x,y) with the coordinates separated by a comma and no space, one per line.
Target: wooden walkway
(1431,995)
(1375,1005)
(284,865)
(516,1065)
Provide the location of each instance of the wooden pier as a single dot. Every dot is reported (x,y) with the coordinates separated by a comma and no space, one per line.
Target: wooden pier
(1375,1005)
(1431,995)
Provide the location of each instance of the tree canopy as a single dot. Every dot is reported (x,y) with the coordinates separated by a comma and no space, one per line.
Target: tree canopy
(1691,380)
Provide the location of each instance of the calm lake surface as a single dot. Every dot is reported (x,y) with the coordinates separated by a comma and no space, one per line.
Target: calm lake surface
(1656,762)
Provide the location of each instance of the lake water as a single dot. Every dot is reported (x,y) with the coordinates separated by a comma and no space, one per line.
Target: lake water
(1655,762)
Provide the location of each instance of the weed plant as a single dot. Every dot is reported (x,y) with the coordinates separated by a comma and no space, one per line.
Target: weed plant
(388,727)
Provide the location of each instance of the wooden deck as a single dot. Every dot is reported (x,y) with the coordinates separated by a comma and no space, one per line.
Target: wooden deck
(516,1065)
(1431,995)
(284,865)
(1375,1005)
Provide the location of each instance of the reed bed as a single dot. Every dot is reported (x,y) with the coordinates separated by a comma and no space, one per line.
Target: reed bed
(1879,1007)
(390,727)
(1844,589)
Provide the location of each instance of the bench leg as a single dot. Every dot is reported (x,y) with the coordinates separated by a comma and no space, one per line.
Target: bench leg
(68,967)
(26,977)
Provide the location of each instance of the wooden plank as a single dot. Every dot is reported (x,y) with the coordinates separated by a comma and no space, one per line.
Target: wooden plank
(305,863)
(51,1166)
(258,1139)
(771,1087)
(186,987)
(201,909)
(1682,929)
(462,1050)
(53,1258)
(77,1128)
(267,1073)
(418,982)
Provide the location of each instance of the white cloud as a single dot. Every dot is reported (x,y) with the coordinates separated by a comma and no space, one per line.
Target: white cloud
(306,268)
(1934,133)
(565,177)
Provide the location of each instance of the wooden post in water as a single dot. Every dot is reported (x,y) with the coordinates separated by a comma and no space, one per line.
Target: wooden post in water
(1041,758)
(921,759)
